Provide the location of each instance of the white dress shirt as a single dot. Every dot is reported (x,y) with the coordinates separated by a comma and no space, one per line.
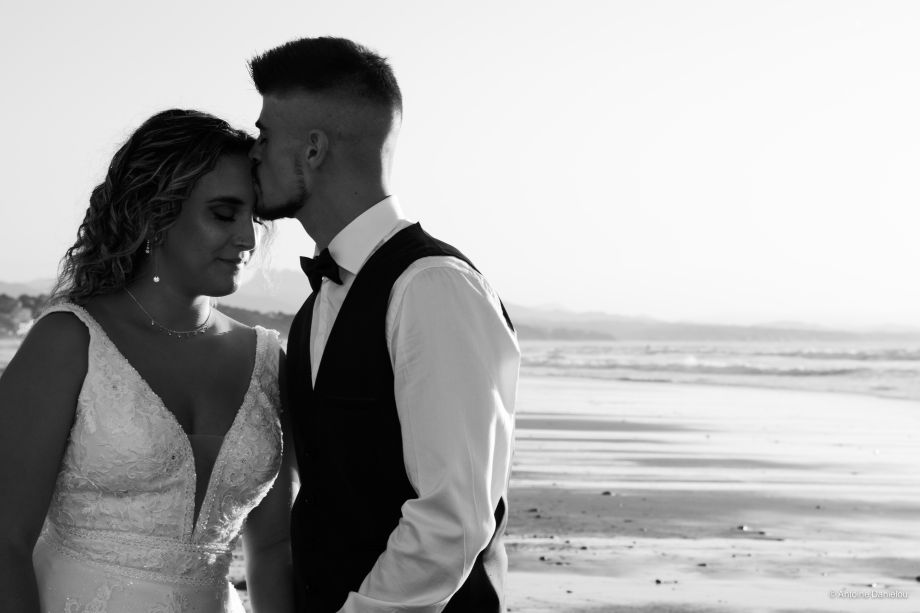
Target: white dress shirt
(455,366)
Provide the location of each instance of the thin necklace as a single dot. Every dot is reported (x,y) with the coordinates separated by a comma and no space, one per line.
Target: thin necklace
(179,334)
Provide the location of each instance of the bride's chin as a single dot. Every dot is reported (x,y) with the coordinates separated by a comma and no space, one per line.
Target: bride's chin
(228,291)
(224,288)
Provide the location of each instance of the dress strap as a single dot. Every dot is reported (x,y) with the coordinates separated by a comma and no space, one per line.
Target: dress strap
(265,373)
(268,345)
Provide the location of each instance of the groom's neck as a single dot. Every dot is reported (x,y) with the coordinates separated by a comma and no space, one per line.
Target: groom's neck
(325,215)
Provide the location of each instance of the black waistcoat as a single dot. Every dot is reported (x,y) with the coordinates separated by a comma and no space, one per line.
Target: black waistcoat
(349,445)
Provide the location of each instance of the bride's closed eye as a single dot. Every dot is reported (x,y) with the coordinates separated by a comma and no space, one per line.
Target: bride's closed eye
(226,213)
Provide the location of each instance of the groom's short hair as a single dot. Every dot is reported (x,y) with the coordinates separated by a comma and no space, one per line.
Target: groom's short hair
(327,65)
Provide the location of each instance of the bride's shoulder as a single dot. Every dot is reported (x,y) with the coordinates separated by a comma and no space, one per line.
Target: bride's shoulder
(239,330)
(55,347)
(268,348)
(63,323)
(61,328)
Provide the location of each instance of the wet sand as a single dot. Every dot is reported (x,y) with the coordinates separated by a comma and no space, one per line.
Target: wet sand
(662,497)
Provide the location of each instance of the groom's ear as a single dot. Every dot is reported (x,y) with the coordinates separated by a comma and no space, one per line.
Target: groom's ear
(315,148)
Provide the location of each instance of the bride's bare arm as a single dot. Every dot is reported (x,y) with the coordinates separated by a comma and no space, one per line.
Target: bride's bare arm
(38,398)
(267,534)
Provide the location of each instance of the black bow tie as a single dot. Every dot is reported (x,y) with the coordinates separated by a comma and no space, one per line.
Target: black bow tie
(319,267)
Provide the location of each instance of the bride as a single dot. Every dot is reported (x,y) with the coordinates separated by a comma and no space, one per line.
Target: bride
(139,426)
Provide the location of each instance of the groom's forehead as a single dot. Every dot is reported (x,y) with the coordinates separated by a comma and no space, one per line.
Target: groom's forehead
(272,111)
(282,110)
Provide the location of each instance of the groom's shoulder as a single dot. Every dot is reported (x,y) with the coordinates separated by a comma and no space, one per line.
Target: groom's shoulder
(428,256)
(440,264)
(442,275)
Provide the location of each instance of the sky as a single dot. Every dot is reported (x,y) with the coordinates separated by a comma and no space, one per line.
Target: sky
(736,162)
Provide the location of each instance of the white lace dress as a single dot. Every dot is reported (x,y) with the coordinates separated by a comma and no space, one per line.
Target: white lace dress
(120,536)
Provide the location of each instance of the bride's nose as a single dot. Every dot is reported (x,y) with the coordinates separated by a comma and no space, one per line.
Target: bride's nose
(245,237)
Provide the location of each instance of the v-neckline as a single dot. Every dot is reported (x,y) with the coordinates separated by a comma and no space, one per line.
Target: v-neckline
(194,524)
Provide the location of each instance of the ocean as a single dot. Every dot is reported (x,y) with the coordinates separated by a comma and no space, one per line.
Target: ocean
(881,369)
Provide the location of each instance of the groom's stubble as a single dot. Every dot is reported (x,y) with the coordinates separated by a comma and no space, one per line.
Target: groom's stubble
(290,207)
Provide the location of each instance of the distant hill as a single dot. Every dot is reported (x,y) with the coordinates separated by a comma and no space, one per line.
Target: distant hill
(17,313)
(271,299)
(30,288)
(626,328)
(537,333)
(285,291)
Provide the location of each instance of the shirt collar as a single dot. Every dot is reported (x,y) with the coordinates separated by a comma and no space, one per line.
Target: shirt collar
(355,243)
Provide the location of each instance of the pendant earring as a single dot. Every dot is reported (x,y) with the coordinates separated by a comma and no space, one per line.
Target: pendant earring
(156,271)
(147,250)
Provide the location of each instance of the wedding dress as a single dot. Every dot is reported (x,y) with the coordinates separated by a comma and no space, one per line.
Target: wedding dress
(121,535)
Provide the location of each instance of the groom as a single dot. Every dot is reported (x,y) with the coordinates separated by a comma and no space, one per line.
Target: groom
(402,364)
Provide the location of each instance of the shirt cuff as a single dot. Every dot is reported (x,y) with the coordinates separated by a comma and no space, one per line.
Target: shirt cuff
(357,603)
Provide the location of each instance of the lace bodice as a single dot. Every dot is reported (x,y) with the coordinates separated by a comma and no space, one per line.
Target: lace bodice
(124,498)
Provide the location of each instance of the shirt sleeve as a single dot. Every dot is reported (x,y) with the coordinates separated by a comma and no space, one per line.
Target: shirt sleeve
(455,365)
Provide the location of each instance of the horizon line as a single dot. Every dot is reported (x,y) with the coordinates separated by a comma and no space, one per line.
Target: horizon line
(778,324)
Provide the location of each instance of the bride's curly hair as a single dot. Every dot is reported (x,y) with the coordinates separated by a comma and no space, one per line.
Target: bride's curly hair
(149,178)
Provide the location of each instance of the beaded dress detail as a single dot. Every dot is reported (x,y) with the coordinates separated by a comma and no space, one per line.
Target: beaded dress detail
(121,534)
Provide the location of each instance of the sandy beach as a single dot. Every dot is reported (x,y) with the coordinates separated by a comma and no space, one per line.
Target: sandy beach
(660,497)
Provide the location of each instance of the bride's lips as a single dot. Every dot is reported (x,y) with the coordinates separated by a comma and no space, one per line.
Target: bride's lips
(234,262)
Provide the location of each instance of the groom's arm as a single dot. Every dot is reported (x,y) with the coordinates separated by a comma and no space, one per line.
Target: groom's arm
(455,365)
